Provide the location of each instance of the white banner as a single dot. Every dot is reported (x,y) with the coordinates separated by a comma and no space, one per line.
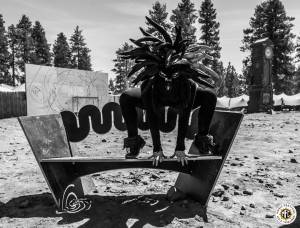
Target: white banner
(50,90)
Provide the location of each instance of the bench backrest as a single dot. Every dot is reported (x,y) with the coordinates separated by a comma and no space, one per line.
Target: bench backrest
(49,135)
(223,127)
(78,125)
(46,135)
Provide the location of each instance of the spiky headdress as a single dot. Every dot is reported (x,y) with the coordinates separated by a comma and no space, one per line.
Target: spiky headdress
(166,58)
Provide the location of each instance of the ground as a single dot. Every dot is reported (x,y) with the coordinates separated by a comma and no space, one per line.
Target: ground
(261,173)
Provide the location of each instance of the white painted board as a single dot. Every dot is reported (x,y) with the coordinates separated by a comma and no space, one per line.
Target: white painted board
(50,90)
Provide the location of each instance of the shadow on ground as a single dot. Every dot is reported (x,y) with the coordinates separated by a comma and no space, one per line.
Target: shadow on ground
(107,211)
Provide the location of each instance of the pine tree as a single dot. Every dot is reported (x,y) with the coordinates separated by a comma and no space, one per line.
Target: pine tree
(84,62)
(297,81)
(270,20)
(80,57)
(61,52)
(210,33)
(159,14)
(242,87)
(297,50)
(4,54)
(111,86)
(25,47)
(296,77)
(121,68)
(41,47)
(220,85)
(184,15)
(231,81)
(12,41)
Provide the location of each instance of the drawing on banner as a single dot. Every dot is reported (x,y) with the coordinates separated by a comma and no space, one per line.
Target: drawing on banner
(52,90)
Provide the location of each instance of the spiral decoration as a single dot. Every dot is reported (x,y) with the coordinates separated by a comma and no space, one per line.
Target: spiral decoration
(71,204)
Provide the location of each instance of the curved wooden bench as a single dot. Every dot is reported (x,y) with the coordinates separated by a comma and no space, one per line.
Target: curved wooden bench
(50,135)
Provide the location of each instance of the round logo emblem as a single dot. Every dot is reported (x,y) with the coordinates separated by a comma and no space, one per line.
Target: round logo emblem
(286,214)
(269,53)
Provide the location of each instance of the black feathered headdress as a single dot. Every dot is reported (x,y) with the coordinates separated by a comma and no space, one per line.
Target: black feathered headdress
(167,58)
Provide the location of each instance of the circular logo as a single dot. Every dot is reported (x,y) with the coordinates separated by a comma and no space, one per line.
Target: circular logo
(268,52)
(286,214)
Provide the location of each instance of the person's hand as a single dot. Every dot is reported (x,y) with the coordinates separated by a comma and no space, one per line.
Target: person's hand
(157,157)
(181,157)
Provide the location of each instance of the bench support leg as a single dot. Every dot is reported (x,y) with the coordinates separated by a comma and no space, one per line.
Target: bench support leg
(201,182)
(193,187)
(67,186)
(204,212)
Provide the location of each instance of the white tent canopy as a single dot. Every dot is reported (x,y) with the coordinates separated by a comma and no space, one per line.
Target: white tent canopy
(293,100)
(279,98)
(242,101)
(20,88)
(5,88)
(223,102)
(239,102)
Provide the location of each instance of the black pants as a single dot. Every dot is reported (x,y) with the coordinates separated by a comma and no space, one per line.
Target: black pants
(205,99)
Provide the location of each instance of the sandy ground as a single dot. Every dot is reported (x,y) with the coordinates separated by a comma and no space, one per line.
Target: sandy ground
(264,160)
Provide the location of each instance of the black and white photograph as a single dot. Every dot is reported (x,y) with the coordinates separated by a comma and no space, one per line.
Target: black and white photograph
(150,113)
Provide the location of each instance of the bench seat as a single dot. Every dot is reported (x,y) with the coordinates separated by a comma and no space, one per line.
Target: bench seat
(122,160)
(81,166)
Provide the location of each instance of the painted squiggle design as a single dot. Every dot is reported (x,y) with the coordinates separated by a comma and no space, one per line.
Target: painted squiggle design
(111,111)
(71,204)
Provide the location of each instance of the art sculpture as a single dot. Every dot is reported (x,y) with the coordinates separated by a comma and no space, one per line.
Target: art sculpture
(171,74)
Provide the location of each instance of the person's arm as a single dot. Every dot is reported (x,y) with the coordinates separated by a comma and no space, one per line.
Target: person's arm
(182,128)
(152,118)
(153,122)
(154,129)
(184,120)
(180,145)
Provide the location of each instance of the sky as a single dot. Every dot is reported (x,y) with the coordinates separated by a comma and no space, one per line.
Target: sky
(107,24)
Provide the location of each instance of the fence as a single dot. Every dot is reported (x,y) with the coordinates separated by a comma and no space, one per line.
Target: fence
(12,104)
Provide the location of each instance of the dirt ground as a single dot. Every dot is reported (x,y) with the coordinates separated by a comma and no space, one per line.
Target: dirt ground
(264,161)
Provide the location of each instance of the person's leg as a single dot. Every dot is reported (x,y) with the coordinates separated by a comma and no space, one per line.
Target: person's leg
(129,101)
(206,99)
